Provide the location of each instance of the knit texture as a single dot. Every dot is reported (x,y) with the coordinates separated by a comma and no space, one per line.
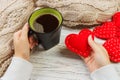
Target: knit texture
(13,14)
(118,1)
(83,12)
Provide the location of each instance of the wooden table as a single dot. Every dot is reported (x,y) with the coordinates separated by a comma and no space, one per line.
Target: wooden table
(59,63)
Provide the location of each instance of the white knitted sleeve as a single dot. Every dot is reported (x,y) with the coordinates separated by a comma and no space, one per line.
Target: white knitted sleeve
(19,69)
(105,73)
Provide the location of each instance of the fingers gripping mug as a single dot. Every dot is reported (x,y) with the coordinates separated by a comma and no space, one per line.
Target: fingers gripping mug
(45,24)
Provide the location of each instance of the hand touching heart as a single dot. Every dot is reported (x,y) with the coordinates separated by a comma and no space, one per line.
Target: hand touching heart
(78,43)
(109,31)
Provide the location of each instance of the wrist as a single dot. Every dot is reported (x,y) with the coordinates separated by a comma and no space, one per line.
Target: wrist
(99,66)
(103,67)
(23,57)
(105,63)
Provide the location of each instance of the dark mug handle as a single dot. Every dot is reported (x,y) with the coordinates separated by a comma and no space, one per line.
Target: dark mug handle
(31,33)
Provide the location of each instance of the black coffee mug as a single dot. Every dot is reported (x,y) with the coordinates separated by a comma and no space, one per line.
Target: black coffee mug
(45,25)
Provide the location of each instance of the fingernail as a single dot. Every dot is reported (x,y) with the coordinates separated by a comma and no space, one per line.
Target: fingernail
(27,26)
(32,47)
(90,36)
(36,44)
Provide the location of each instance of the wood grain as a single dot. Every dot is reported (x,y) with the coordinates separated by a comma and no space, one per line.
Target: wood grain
(59,63)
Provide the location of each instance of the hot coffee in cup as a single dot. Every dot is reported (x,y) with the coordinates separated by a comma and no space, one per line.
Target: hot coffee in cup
(46,23)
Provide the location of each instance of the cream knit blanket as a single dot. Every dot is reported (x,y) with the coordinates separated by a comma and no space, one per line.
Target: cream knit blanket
(14,13)
(82,12)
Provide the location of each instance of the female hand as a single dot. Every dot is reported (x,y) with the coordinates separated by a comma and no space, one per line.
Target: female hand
(22,44)
(98,58)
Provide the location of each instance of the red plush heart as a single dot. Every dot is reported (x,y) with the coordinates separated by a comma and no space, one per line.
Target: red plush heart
(118,33)
(78,43)
(105,31)
(116,19)
(113,47)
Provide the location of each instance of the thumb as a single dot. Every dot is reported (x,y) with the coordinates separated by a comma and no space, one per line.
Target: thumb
(25,30)
(91,43)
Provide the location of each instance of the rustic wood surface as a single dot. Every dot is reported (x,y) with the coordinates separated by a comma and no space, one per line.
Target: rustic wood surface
(59,63)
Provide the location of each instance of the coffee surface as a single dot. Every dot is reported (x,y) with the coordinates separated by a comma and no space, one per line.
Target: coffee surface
(46,23)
